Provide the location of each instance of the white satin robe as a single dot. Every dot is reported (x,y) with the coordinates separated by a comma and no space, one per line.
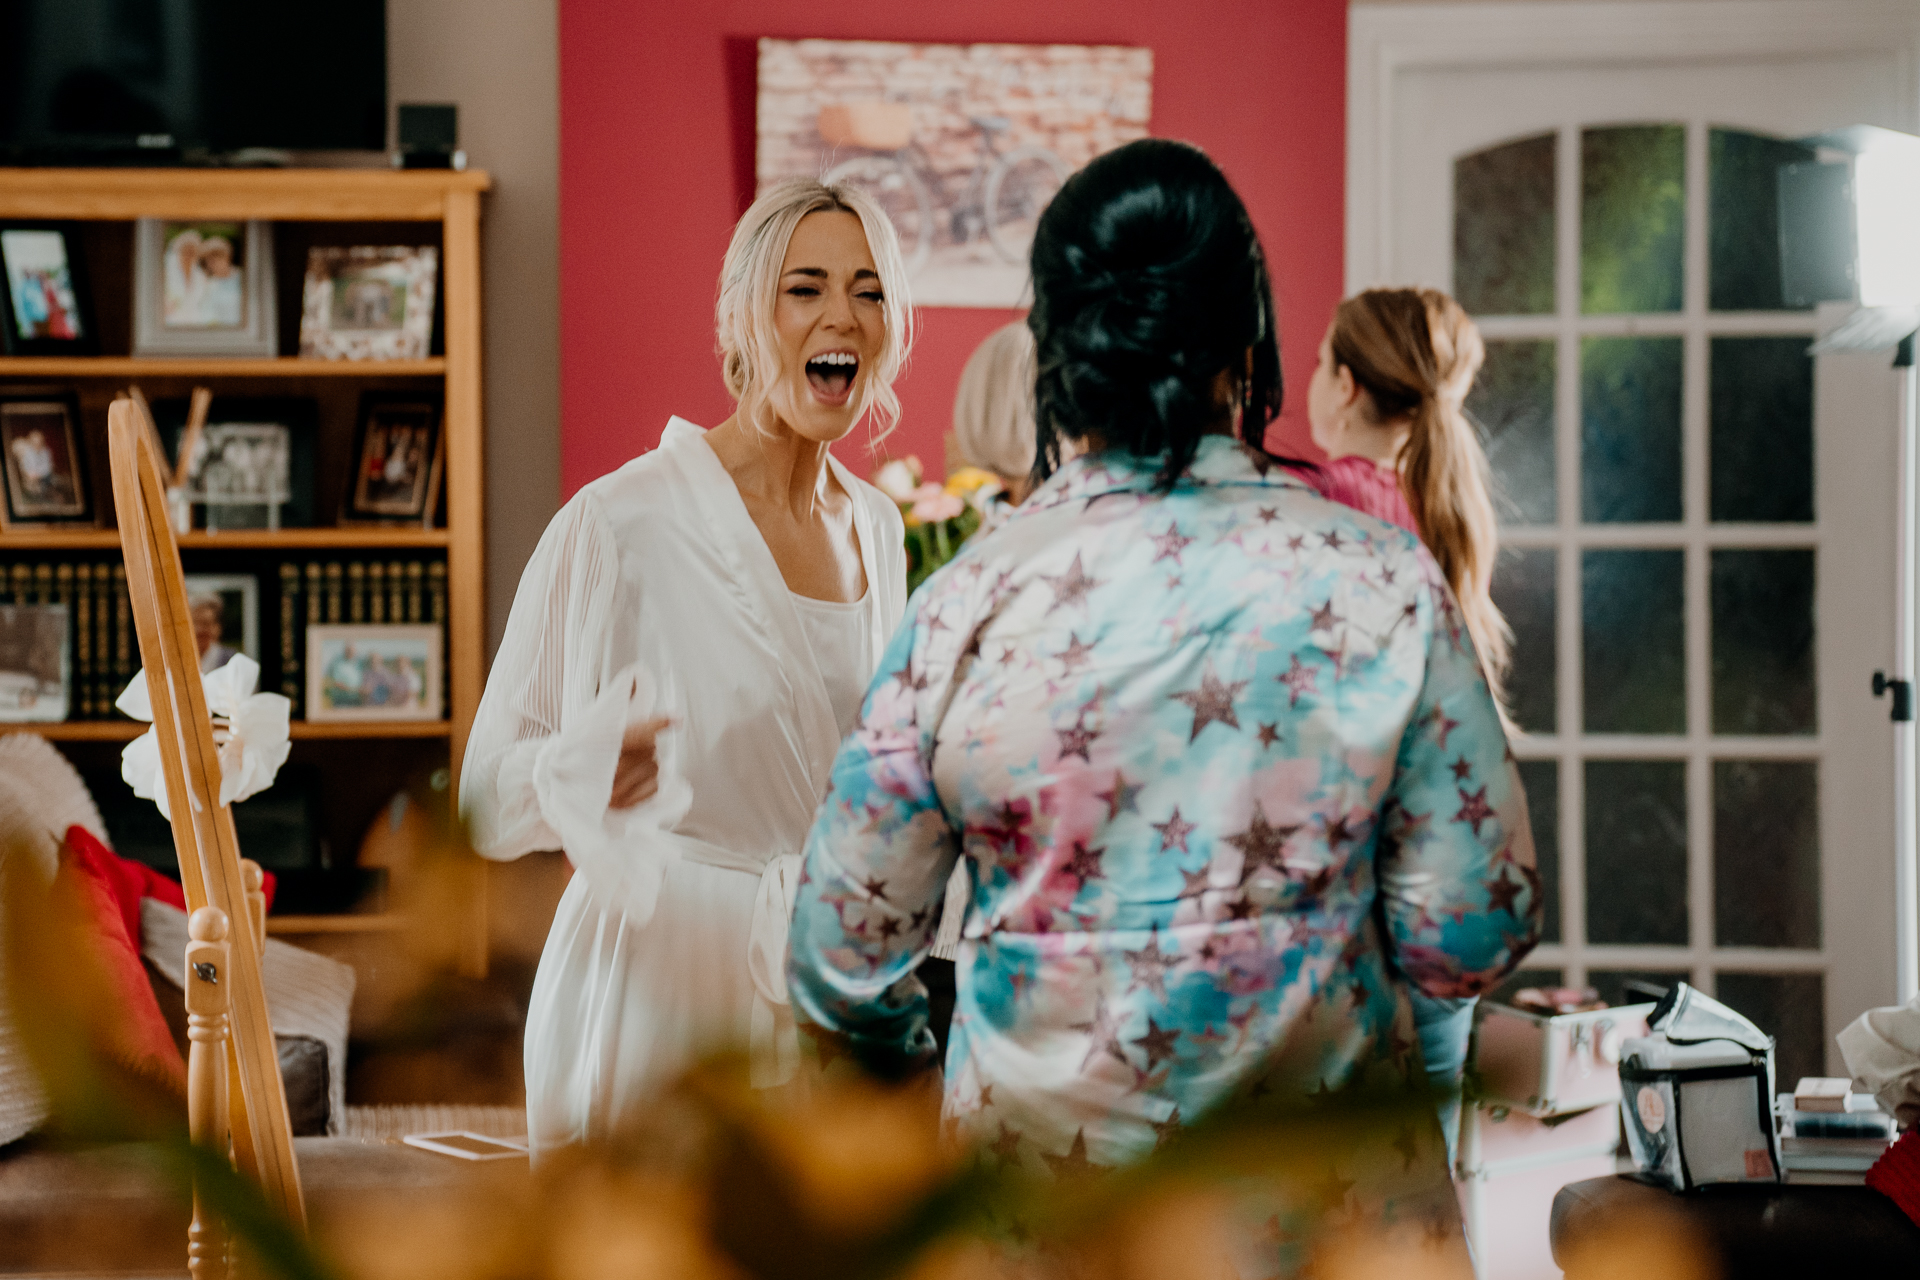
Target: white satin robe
(653,592)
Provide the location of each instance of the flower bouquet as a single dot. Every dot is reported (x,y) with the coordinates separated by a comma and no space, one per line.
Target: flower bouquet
(939,517)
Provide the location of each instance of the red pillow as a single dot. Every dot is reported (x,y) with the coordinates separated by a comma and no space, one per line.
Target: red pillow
(132,881)
(129,1027)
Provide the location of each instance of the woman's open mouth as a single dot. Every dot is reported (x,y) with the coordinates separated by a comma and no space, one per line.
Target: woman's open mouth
(831,375)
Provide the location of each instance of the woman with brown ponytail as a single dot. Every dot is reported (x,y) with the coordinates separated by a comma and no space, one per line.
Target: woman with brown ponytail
(1386,404)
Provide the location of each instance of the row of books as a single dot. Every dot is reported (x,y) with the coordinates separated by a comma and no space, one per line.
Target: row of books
(368,592)
(103,650)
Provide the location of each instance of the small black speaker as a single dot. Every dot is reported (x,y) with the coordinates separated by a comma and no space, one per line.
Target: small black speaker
(429,135)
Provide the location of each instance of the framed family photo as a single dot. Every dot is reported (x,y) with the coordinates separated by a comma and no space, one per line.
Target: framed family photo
(397,452)
(225,611)
(368,302)
(43,463)
(35,678)
(373,672)
(47,309)
(204,289)
(297,416)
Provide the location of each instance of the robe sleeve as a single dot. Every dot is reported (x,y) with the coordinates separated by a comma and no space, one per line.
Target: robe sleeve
(551,663)
(1459,892)
(879,857)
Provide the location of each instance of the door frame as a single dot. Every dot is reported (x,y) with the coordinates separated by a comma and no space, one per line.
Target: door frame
(1386,39)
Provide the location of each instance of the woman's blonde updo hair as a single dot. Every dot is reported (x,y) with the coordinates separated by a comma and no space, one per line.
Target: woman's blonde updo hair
(750,282)
(993,409)
(1415,352)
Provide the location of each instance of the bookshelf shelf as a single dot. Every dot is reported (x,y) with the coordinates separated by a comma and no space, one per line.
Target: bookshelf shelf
(330,539)
(69,367)
(302,731)
(384,922)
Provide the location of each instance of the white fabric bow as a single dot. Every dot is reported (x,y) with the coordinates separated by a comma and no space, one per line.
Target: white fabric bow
(623,853)
(253,740)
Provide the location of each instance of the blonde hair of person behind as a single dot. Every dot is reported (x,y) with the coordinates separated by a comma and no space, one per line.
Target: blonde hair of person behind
(750,283)
(993,409)
(1415,353)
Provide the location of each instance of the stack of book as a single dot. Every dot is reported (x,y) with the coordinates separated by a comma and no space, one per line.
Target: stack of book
(1829,1134)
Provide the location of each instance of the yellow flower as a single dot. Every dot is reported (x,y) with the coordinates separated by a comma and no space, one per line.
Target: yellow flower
(967,479)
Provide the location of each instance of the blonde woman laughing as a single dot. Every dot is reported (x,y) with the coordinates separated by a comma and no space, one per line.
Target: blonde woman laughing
(689,644)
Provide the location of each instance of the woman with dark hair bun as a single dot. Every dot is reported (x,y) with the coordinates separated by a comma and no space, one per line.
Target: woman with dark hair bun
(1156,307)
(1215,753)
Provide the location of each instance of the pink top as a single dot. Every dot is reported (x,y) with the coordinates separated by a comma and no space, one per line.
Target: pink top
(1364,485)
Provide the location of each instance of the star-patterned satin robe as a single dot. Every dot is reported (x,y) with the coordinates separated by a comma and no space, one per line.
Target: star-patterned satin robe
(1224,773)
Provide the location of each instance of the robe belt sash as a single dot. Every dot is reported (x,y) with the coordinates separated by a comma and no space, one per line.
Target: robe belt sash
(624,853)
(775,1045)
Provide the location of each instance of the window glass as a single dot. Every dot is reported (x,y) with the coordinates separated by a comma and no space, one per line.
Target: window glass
(1512,401)
(1766,853)
(1633,641)
(1542,781)
(1743,219)
(1763,641)
(1630,430)
(1523,589)
(1637,852)
(1503,236)
(1760,447)
(1633,213)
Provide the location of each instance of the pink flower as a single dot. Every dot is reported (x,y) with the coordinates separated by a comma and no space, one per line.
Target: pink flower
(937,506)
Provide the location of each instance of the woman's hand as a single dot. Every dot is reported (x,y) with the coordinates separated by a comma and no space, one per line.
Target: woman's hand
(637,777)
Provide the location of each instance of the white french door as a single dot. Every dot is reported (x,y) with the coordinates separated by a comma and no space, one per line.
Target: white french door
(1698,523)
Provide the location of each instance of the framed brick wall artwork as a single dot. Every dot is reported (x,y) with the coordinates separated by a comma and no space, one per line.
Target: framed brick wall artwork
(961,145)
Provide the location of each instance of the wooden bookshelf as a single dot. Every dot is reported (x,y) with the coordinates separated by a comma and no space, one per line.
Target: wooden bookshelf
(381,922)
(335,539)
(449,199)
(300,730)
(70,367)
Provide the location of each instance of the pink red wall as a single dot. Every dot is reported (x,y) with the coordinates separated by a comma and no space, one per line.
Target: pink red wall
(656,136)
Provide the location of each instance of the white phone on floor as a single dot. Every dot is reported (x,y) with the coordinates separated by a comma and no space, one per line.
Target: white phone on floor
(467,1145)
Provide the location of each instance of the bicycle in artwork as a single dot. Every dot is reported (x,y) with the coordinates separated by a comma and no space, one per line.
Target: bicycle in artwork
(1000,199)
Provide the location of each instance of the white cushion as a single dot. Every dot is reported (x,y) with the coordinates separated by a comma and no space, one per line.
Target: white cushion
(29,857)
(60,797)
(307,994)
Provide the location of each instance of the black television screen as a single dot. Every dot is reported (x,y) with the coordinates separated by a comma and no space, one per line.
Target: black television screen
(115,79)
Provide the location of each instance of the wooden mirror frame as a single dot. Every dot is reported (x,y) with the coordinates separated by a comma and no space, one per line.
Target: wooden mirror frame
(203,835)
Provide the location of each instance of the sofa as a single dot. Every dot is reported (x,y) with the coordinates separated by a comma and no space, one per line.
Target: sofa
(106,1208)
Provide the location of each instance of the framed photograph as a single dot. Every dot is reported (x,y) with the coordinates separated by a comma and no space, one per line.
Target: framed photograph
(373,673)
(48,308)
(397,452)
(369,302)
(225,609)
(300,415)
(43,462)
(241,472)
(35,679)
(204,289)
